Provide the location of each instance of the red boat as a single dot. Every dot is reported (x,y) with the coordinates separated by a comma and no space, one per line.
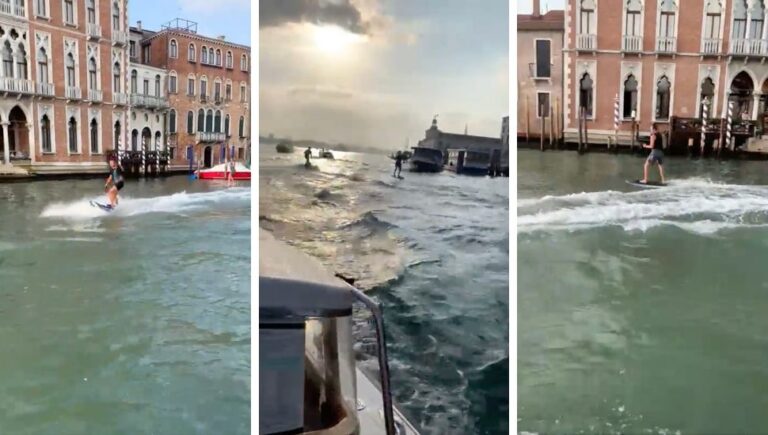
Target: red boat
(220,172)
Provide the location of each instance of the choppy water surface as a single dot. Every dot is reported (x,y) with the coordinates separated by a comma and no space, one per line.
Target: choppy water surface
(136,321)
(433,248)
(642,311)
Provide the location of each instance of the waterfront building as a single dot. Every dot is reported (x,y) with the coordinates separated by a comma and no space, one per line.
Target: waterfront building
(539,69)
(208,90)
(654,61)
(63,102)
(148,88)
(434,138)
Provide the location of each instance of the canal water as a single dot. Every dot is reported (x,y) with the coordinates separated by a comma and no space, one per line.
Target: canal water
(641,311)
(136,321)
(434,250)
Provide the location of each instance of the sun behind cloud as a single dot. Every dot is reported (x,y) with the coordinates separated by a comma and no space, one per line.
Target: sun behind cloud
(334,40)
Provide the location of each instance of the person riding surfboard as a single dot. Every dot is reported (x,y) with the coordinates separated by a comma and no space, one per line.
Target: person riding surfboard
(656,155)
(116,181)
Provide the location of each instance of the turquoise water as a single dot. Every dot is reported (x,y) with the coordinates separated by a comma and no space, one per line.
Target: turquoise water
(434,250)
(134,322)
(641,311)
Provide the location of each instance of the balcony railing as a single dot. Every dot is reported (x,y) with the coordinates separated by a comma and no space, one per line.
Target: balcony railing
(95,95)
(666,44)
(18,86)
(149,101)
(73,93)
(119,38)
(711,46)
(632,43)
(586,42)
(12,9)
(119,98)
(46,89)
(203,136)
(203,98)
(93,30)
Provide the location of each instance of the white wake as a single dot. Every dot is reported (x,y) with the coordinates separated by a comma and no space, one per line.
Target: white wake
(695,205)
(178,202)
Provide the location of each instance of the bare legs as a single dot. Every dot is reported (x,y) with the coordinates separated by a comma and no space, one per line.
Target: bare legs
(661,173)
(112,195)
(645,172)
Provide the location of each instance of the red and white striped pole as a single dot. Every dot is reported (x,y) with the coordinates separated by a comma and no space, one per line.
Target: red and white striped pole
(616,119)
(728,125)
(704,116)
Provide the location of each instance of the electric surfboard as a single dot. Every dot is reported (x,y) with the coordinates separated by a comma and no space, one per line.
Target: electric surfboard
(648,185)
(104,207)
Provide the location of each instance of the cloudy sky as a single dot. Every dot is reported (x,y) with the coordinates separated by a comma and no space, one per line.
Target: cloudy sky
(526,6)
(231,18)
(374,72)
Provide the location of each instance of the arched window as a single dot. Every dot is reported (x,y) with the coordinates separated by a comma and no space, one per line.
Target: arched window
(663,99)
(229,59)
(93,82)
(217,122)
(94,137)
(90,6)
(190,122)
(218,57)
(134,82)
(42,8)
(72,135)
(191,56)
(204,55)
(217,90)
(226,126)
(158,138)
(116,78)
(209,121)
(21,62)
(7,60)
(243,93)
(116,16)
(630,97)
(135,140)
(244,63)
(241,127)
(42,66)
(117,135)
(172,85)
(707,93)
(201,120)
(172,121)
(157,85)
(191,85)
(174,50)
(45,134)
(211,56)
(228,91)
(203,86)
(70,62)
(585,94)
(739,21)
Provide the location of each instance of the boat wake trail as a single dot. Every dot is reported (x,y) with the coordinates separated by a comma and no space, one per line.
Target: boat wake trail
(695,205)
(176,203)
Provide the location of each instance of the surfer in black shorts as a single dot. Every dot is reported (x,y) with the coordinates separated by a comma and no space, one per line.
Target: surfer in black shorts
(656,156)
(116,181)
(398,164)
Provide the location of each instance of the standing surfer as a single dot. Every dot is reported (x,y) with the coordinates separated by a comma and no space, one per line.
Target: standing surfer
(231,173)
(307,155)
(656,156)
(115,179)
(398,164)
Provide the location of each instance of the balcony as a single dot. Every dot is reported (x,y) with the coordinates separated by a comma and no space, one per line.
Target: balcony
(203,98)
(632,44)
(93,31)
(586,42)
(119,38)
(148,101)
(95,95)
(666,45)
(711,46)
(73,93)
(17,86)
(119,99)
(204,137)
(12,9)
(46,89)
(217,99)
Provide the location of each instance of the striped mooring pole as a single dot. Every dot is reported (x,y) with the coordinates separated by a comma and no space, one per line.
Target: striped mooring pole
(143,158)
(616,120)
(704,116)
(728,125)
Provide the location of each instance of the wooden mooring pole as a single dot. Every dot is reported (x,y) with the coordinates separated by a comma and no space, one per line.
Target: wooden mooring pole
(541,127)
(527,122)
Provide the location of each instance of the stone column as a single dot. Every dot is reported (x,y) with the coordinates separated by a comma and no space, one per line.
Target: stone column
(6,150)
(32,142)
(755,104)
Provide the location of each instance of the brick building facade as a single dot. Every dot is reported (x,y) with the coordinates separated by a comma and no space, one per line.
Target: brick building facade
(62,83)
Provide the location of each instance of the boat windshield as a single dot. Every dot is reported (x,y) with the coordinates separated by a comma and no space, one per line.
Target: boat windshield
(330,389)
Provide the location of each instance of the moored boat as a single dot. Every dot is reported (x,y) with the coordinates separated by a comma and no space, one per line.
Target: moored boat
(426,160)
(220,172)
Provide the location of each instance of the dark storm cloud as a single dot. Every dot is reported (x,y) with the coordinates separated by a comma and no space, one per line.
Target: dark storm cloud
(339,12)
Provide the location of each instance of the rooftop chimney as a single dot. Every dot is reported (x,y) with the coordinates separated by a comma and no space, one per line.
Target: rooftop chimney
(222,37)
(536,8)
(138,23)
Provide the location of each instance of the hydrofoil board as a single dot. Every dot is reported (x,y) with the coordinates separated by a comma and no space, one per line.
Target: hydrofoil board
(648,185)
